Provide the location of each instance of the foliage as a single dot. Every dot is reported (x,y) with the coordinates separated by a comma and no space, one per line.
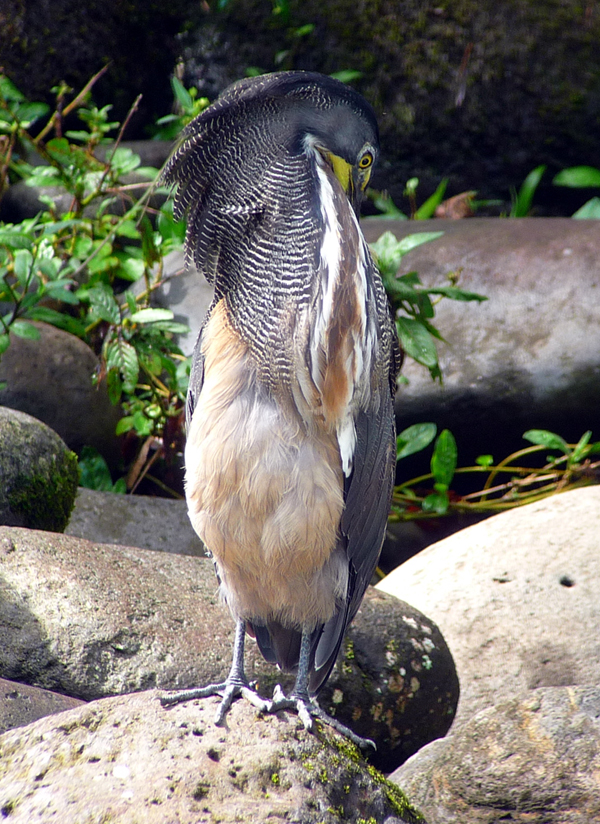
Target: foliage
(522,200)
(582,177)
(411,301)
(431,494)
(188,106)
(74,268)
(383,202)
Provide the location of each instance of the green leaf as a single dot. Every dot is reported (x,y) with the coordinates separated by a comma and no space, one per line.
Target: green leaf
(389,251)
(9,91)
(28,113)
(541,437)
(346,75)
(131,269)
(436,502)
(443,460)
(124,160)
(454,293)
(142,425)
(103,304)
(427,209)
(124,425)
(151,315)
(59,319)
(484,460)
(416,341)
(589,210)
(4,343)
(94,471)
(25,330)
(22,265)
(578,177)
(582,448)
(182,95)
(122,356)
(414,439)
(128,229)
(523,200)
(15,240)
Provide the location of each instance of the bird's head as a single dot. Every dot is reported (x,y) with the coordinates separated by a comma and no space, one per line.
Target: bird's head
(251,150)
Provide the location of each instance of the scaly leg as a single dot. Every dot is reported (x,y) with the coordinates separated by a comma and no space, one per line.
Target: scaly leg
(235,684)
(306,707)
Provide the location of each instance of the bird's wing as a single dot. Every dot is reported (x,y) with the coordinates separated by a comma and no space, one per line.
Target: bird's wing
(196,380)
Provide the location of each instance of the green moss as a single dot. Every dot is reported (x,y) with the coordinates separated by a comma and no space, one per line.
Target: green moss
(45,500)
(396,797)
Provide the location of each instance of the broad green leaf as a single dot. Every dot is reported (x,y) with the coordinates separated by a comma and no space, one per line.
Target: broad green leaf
(124,160)
(443,460)
(414,439)
(142,425)
(103,304)
(15,240)
(171,326)
(151,315)
(4,342)
(122,356)
(8,90)
(24,330)
(22,265)
(578,177)
(181,93)
(128,229)
(416,341)
(541,437)
(131,269)
(93,470)
(484,460)
(61,320)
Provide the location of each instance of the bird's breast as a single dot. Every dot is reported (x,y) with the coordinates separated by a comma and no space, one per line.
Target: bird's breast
(264,492)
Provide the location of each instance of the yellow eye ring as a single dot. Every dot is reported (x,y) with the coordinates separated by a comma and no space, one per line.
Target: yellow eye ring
(365,161)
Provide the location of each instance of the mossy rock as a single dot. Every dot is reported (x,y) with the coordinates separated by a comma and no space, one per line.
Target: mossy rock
(38,474)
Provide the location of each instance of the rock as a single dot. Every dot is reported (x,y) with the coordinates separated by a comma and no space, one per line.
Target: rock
(127,759)
(51,379)
(134,520)
(515,598)
(21,704)
(187,293)
(90,620)
(534,759)
(38,474)
(438,77)
(528,357)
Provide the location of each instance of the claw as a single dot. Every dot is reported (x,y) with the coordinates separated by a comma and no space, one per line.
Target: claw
(307,710)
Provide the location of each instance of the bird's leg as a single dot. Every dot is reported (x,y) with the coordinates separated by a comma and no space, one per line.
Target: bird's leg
(235,684)
(307,708)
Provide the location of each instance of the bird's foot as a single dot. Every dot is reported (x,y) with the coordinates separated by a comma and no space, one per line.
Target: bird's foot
(308,709)
(229,690)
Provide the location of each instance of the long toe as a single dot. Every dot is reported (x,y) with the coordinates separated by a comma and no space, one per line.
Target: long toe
(307,710)
(180,696)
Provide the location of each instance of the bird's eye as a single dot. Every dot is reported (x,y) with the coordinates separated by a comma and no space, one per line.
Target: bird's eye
(366,160)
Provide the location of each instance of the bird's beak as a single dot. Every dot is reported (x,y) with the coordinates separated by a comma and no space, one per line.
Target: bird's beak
(351,179)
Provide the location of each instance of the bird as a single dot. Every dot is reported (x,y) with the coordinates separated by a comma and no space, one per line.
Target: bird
(290,450)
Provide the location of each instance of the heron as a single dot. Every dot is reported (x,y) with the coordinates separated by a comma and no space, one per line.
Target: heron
(290,450)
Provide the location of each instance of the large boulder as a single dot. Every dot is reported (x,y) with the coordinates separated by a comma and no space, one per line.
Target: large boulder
(127,759)
(517,598)
(51,379)
(38,474)
(90,620)
(529,356)
(534,759)
(134,520)
(20,704)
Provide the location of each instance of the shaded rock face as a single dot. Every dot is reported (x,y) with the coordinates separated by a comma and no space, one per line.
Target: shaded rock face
(528,357)
(21,704)
(134,520)
(532,759)
(127,759)
(517,598)
(38,474)
(479,92)
(51,379)
(90,620)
